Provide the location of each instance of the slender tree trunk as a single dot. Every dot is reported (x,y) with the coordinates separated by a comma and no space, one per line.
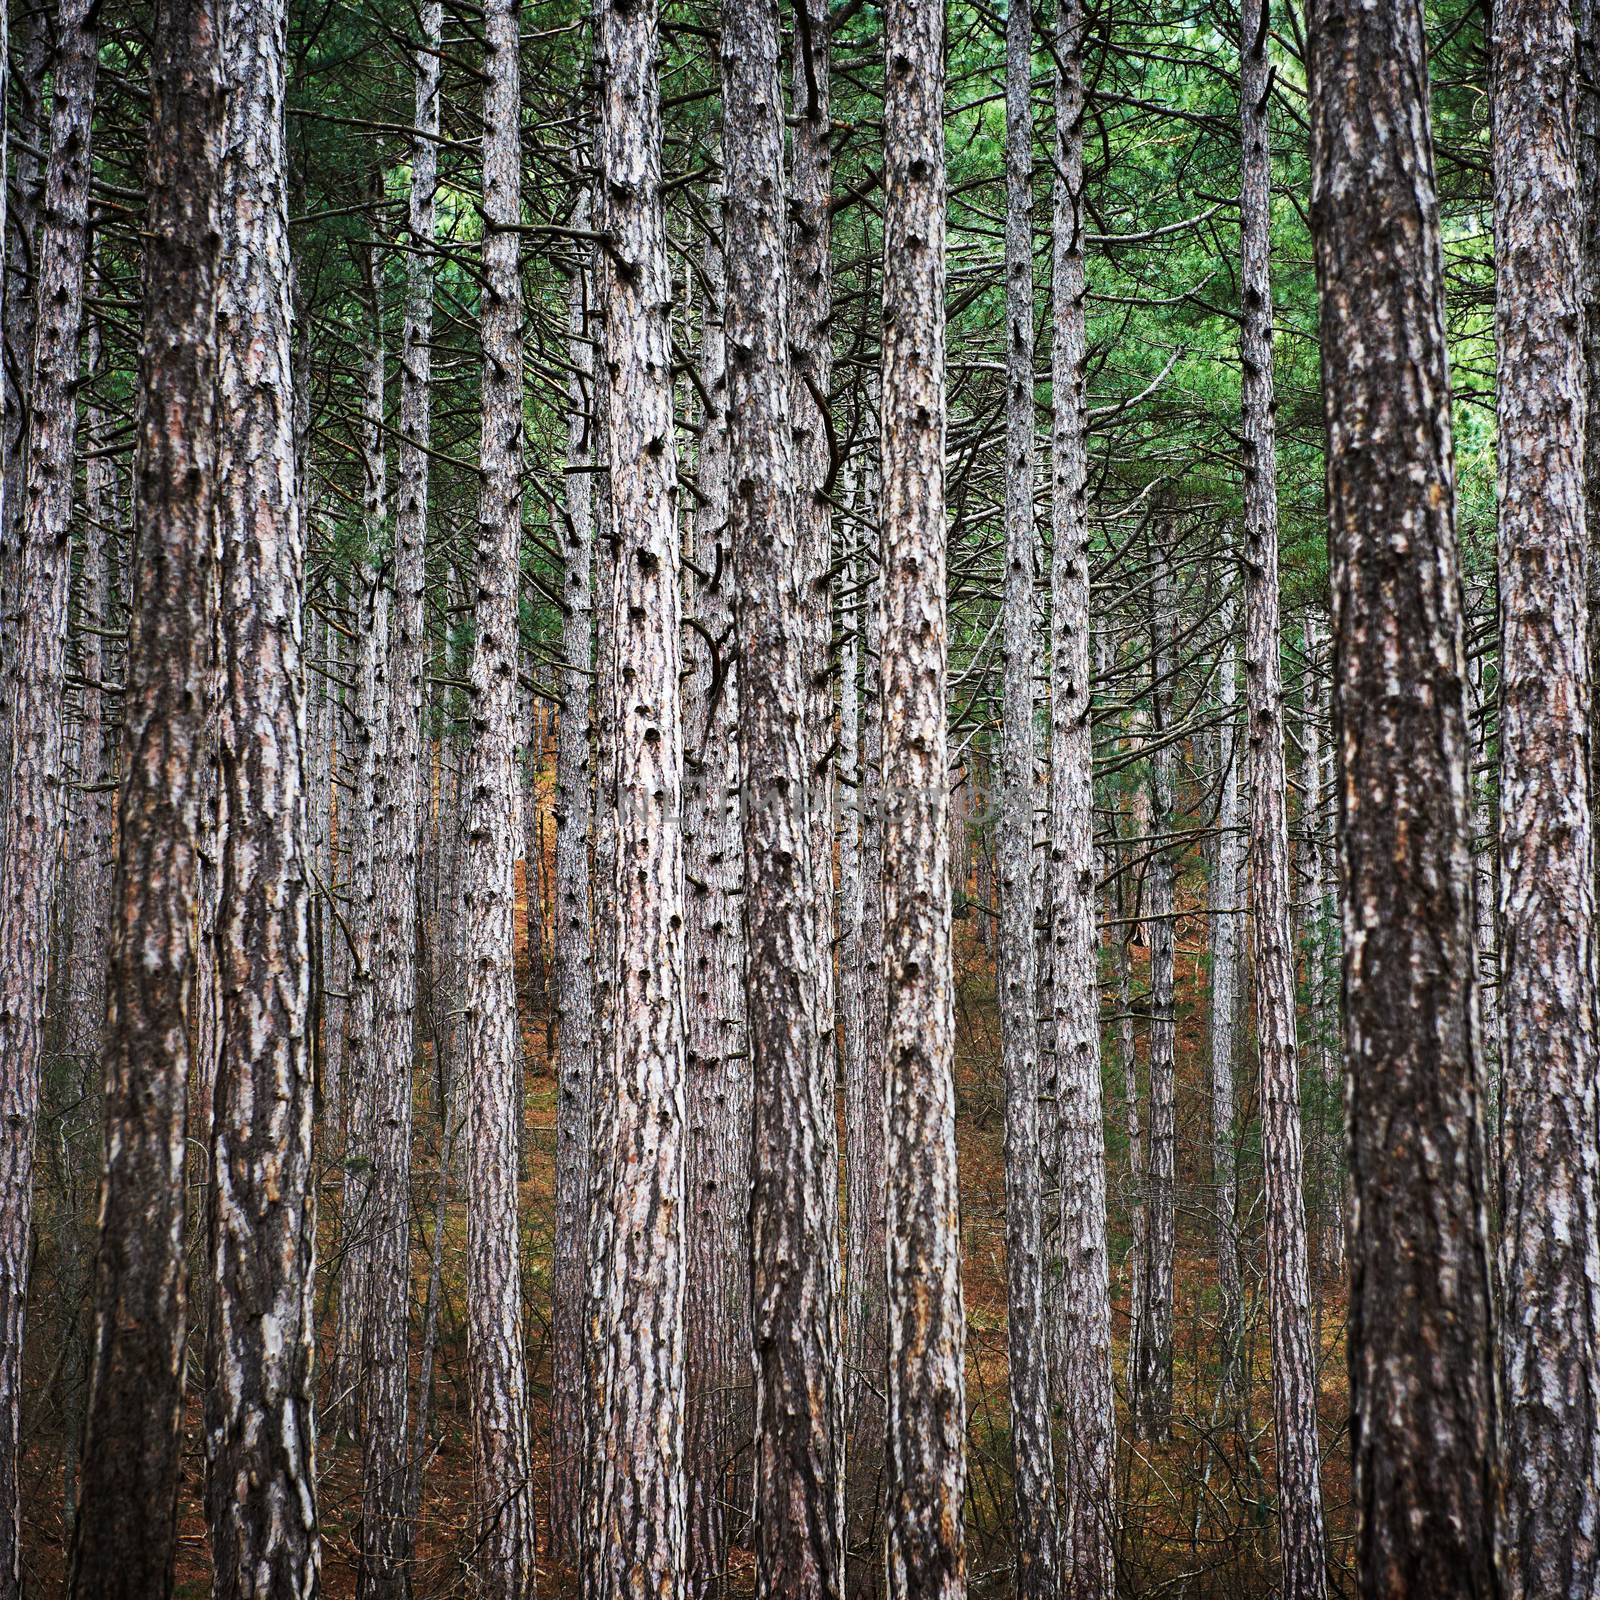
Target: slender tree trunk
(1301,1544)
(1549,1248)
(1227,883)
(574,972)
(640,1496)
(1152,1396)
(33,801)
(793,1218)
(1083,1370)
(26,140)
(926,1320)
(503,1493)
(864,1246)
(386,1515)
(126,1538)
(369,776)
(717,1309)
(810,275)
(260,1429)
(603,867)
(1422,1378)
(1033,1463)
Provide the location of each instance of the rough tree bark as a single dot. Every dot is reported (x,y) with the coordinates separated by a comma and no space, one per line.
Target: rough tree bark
(126,1536)
(574,973)
(793,1204)
(1301,1545)
(497,1379)
(810,356)
(926,1320)
(1083,1384)
(717,1312)
(359,820)
(385,1513)
(260,1430)
(1152,1375)
(36,664)
(1033,1461)
(639,1524)
(864,1241)
(1227,881)
(1422,1377)
(1549,1255)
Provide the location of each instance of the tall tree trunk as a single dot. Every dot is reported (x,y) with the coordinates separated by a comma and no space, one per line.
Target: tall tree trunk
(717,1310)
(600,1256)
(1549,1258)
(126,1538)
(1033,1462)
(867,1348)
(1587,114)
(33,801)
(385,1512)
(1422,1378)
(810,353)
(926,1320)
(574,972)
(260,1428)
(794,1183)
(1083,1371)
(503,1494)
(369,777)
(21,235)
(1227,882)
(1301,1545)
(640,1496)
(1152,1396)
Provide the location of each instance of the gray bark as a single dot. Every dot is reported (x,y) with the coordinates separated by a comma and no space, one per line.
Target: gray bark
(1227,882)
(1301,1545)
(574,972)
(1032,1456)
(926,1320)
(503,1492)
(1152,1376)
(717,1310)
(386,1516)
(1083,1365)
(793,1177)
(639,1526)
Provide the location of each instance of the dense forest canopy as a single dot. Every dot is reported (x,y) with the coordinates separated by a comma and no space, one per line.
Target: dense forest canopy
(795,799)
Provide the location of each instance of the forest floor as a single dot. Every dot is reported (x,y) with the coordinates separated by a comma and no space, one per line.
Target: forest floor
(1197,1508)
